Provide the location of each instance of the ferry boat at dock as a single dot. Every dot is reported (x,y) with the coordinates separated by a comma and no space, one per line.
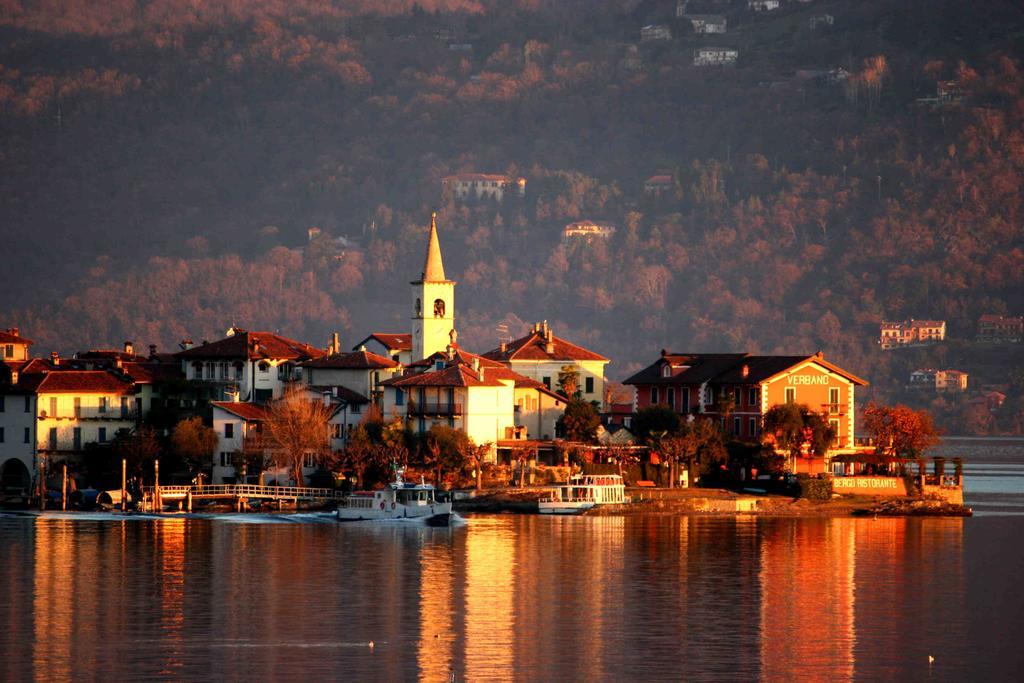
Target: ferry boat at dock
(399,500)
(582,492)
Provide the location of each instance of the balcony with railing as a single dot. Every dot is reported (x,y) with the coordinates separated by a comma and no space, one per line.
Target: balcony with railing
(434,408)
(834,408)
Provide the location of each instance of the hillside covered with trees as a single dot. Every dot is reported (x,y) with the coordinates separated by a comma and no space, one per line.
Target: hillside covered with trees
(162,162)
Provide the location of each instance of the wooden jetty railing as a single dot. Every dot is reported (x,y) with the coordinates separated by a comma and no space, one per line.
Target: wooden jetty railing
(155,497)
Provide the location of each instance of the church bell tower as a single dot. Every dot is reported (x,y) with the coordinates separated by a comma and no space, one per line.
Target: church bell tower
(433,302)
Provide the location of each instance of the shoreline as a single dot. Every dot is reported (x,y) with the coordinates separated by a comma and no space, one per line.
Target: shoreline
(721,502)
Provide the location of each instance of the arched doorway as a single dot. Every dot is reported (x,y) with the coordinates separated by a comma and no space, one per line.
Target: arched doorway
(14,476)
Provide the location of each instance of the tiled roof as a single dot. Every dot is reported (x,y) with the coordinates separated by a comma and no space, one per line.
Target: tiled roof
(660,180)
(110,354)
(393,342)
(457,375)
(727,368)
(340,392)
(9,337)
(355,360)
(253,346)
(150,373)
(253,412)
(459,356)
(533,347)
(692,368)
(76,382)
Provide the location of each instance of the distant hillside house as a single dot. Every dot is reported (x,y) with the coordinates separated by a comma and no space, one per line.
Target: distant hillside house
(657,185)
(893,334)
(653,32)
(632,60)
(939,380)
(707,23)
(586,232)
(715,56)
(465,186)
(821,21)
(737,389)
(997,328)
(763,5)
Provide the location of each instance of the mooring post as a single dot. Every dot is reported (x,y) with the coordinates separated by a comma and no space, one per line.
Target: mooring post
(64,488)
(157,503)
(42,484)
(188,501)
(124,483)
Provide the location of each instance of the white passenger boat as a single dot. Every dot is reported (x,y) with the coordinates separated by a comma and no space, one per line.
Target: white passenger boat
(397,500)
(582,492)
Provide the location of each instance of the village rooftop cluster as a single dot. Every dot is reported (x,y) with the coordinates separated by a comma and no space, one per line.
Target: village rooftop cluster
(55,410)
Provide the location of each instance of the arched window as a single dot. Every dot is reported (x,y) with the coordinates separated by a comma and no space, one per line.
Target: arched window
(438,308)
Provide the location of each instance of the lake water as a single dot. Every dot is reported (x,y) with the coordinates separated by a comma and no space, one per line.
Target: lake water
(523,597)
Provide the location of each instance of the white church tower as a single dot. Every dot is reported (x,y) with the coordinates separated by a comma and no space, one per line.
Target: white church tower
(433,302)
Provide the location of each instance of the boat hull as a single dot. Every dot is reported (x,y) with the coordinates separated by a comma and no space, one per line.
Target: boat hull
(438,514)
(563,507)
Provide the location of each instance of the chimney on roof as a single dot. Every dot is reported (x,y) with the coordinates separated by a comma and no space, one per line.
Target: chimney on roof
(503,347)
(327,398)
(746,371)
(477,369)
(233,395)
(335,343)
(54,357)
(118,363)
(15,331)
(14,377)
(129,348)
(664,352)
(819,354)
(185,344)
(152,351)
(362,348)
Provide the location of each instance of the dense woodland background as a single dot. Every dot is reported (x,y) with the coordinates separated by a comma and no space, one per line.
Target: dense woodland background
(162,161)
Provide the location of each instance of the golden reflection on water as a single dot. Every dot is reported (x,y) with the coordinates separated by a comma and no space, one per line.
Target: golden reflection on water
(169,558)
(437,627)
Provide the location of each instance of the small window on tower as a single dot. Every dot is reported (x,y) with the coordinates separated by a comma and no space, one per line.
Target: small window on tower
(438,308)
(419,307)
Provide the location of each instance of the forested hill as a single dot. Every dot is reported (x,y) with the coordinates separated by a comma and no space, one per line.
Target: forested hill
(161,163)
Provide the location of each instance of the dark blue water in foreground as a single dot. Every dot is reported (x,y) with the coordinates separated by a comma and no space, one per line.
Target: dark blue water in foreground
(523,597)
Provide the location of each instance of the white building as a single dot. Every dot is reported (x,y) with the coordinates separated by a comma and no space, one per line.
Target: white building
(433,303)
(587,232)
(17,442)
(763,5)
(654,32)
(79,407)
(707,23)
(396,346)
(715,56)
(13,347)
(541,356)
(465,186)
(360,372)
(239,427)
(256,365)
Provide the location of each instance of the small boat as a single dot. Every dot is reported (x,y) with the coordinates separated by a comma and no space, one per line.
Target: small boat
(582,492)
(398,500)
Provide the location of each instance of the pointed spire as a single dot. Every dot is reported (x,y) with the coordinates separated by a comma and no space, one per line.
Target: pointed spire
(433,268)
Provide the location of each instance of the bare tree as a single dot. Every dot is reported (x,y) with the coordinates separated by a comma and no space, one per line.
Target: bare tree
(297,427)
(475,454)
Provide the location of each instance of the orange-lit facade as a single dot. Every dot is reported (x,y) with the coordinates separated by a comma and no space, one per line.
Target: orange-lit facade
(738,389)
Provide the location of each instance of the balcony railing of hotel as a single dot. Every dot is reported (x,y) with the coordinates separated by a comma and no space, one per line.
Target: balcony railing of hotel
(434,408)
(834,408)
(91,413)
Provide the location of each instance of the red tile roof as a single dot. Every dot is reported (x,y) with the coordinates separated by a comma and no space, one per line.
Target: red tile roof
(696,368)
(76,382)
(253,346)
(356,360)
(533,347)
(393,342)
(457,375)
(253,412)
(150,373)
(10,337)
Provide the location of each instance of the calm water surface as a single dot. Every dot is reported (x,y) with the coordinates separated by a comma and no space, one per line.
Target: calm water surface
(523,597)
